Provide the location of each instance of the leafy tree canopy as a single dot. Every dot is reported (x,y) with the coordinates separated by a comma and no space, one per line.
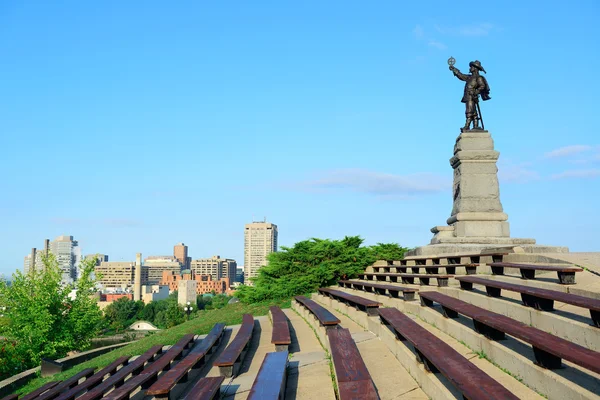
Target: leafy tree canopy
(43,318)
(315,263)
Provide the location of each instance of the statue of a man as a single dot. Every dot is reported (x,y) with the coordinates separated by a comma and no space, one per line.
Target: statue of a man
(475,85)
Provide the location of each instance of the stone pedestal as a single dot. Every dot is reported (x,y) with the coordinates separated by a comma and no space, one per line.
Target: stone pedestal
(477,216)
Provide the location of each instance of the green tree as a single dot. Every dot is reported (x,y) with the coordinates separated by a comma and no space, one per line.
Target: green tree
(123,312)
(314,263)
(44,318)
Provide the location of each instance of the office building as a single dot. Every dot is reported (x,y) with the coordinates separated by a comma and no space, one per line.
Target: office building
(180,251)
(260,239)
(100,258)
(118,275)
(204,283)
(155,265)
(239,275)
(216,267)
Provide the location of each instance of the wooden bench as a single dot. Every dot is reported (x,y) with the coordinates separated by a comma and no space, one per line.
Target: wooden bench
(206,389)
(324,316)
(566,275)
(540,299)
(11,397)
(230,361)
(407,279)
(394,291)
(438,356)
(450,269)
(547,348)
(281,331)
(39,391)
(271,379)
(117,380)
(455,259)
(360,303)
(353,377)
(95,379)
(194,359)
(149,375)
(65,385)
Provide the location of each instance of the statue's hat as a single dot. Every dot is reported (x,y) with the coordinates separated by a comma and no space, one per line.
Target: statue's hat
(477,65)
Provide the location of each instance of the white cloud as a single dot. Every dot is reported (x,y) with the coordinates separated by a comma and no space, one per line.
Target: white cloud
(437,45)
(377,183)
(577,173)
(519,173)
(568,151)
(481,29)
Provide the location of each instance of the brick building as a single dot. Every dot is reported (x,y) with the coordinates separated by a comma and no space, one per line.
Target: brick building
(204,283)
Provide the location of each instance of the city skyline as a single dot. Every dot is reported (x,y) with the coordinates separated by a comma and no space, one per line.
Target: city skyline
(335,119)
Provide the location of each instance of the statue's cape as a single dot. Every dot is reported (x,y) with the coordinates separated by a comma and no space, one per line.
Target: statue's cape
(485,93)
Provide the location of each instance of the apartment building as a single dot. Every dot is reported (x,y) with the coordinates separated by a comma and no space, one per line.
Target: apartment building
(260,239)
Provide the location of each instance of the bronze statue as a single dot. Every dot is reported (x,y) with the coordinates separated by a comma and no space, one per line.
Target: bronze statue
(475,85)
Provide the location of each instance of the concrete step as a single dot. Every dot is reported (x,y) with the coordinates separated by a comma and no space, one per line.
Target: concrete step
(509,355)
(390,378)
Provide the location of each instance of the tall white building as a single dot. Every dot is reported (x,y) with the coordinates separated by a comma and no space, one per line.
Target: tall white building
(68,255)
(216,267)
(260,239)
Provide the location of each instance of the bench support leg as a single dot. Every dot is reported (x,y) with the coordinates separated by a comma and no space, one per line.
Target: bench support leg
(409,296)
(488,331)
(545,359)
(226,371)
(424,281)
(448,313)
(372,311)
(466,285)
(566,278)
(493,292)
(442,282)
(528,273)
(450,270)
(429,367)
(595,317)
(471,270)
(537,302)
(425,302)
(497,270)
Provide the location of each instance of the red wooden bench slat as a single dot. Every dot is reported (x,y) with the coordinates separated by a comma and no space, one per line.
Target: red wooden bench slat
(324,316)
(403,275)
(350,297)
(40,390)
(270,380)
(205,389)
(281,329)
(545,341)
(11,397)
(233,351)
(554,268)
(120,375)
(383,286)
(464,375)
(349,366)
(169,379)
(66,384)
(89,383)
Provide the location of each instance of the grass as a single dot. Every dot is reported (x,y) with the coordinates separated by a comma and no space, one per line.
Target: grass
(202,324)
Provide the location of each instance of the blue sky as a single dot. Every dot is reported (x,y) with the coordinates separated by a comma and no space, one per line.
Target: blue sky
(136,125)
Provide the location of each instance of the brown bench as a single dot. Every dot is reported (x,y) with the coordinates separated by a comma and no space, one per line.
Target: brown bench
(394,291)
(540,299)
(149,375)
(206,389)
(450,269)
(325,317)
(352,375)
(281,331)
(271,379)
(11,397)
(40,390)
(360,303)
(94,380)
(230,361)
(117,380)
(407,279)
(438,356)
(65,385)
(547,348)
(455,259)
(566,275)
(194,359)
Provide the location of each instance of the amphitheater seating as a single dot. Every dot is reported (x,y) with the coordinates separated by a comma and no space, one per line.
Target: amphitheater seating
(116,380)
(360,303)
(11,397)
(94,380)
(38,391)
(407,279)
(64,385)
(179,373)
(326,318)
(352,375)
(455,259)
(566,275)
(281,331)
(231,359)
(394,291)
(470,269)
(547,348)
(438,356)
(540,299)
(271,379)
(206,389)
